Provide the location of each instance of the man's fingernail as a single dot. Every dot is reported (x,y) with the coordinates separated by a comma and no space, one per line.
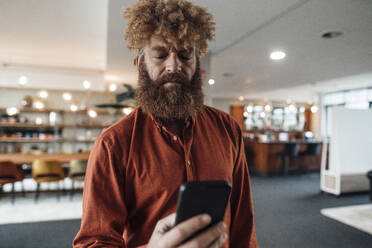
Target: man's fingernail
(224,237)
(206,218)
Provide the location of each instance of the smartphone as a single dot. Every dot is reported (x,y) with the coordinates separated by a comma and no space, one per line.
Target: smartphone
(200,197)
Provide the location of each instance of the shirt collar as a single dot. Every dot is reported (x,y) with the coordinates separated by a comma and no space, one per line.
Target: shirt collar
(159,125)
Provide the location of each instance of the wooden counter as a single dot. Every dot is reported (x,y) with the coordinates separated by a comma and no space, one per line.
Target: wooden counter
(18,158)
(262,157)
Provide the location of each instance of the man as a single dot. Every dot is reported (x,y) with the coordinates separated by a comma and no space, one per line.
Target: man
(137,165)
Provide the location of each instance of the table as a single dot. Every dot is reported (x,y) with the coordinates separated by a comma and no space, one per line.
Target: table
(18,158)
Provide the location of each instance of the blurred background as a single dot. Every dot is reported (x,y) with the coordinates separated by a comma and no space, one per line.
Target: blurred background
(295,74)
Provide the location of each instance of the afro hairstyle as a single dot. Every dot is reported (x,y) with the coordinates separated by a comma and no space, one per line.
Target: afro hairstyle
(177,21)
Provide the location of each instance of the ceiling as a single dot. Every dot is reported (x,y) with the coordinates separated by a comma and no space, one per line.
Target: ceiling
(88,34)
(68,33)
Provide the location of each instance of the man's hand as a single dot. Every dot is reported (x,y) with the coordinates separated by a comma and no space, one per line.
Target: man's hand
(166,235)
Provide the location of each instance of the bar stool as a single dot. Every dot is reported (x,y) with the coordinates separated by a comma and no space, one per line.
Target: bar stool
(44,170)
(290,151)
(77,173)
(312,151)
(9,173)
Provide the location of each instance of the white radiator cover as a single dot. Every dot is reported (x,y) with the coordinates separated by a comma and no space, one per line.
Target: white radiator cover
(350,154)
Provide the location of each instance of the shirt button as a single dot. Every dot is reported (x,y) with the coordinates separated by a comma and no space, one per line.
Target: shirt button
(188,162)
(175,138)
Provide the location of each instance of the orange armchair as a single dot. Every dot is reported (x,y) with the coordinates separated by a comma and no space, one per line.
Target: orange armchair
(44,170)
(9,173)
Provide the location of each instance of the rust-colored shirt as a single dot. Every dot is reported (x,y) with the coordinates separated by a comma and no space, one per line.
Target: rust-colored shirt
(136,167)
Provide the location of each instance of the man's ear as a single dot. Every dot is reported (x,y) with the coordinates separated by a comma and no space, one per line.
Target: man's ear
(136,61)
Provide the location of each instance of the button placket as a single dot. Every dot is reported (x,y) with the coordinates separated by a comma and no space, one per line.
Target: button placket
(187,150)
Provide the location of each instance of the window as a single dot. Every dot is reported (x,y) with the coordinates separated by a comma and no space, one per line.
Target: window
(356,99)
(352,99)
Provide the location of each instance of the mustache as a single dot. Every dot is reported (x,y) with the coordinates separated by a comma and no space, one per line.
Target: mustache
(173,77)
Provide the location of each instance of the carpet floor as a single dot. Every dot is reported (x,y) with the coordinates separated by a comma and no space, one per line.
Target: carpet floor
(287,214)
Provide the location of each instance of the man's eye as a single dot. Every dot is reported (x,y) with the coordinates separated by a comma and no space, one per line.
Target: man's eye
(161,56)
(185,56)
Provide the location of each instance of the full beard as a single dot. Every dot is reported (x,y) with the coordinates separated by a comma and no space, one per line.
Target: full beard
(178,102)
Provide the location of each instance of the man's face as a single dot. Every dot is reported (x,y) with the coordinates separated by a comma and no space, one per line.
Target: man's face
(169,81)
(162,58)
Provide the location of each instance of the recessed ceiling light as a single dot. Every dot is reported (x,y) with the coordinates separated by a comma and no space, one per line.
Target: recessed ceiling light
(127,111)
(314,109)
(12,111)
(249,108)
(43,94)
(211,82)
(241,98)
(268,108)
(86,84)
(22,80)
(73,107)
(113,87)
(38,120)
(92,113)
(277,55)
(38,105)
(332,34)
(67,96)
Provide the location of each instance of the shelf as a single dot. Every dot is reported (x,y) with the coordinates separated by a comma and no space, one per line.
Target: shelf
(88,125)
(36,140)
(32,110)
(19,124)
(79,140)
(29,140)
(25,125)
(99,111)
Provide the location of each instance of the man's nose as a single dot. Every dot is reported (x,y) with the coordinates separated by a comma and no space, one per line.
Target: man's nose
(173,64)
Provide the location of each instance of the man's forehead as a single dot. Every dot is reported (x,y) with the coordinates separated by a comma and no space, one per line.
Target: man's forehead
(158,41)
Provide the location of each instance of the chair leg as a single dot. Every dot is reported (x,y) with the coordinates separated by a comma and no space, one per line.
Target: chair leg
(308,164)
(13,193)
(72,190)
(58,192)
(278,162)
(63,187)
(295,165)
(37,192)
(23,189)
(314,162)
(286,165)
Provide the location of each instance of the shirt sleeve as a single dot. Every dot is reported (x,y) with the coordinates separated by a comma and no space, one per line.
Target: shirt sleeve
(242,230)
(104,209)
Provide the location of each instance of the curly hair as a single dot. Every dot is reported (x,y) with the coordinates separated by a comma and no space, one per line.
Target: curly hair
(177,21)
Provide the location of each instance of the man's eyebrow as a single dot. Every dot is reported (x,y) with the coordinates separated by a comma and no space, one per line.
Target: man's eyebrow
(159,48)
(188,50)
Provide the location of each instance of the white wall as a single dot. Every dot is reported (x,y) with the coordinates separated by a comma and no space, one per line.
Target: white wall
(351,143)
(66,33)
(50,78)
